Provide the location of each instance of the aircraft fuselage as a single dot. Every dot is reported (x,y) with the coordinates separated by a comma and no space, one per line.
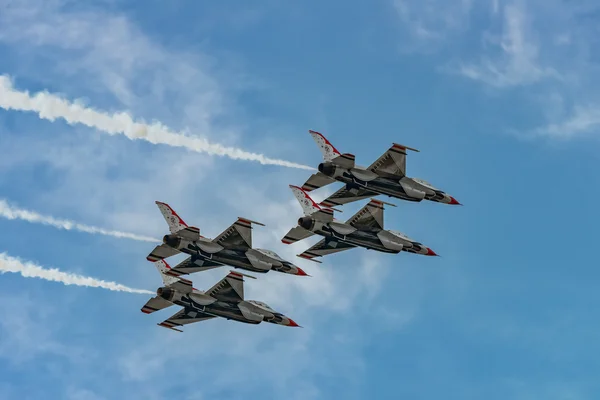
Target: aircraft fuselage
(360,238)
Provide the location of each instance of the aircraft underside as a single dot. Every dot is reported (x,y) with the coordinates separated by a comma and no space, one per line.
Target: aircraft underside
(362,239)
(226,257)
(218,309)
(382,186)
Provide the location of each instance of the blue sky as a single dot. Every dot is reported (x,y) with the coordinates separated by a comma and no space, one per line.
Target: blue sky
(500,97)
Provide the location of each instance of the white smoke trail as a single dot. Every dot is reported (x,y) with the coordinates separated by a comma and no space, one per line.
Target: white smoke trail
(49,106)
(11,212)
(31,270)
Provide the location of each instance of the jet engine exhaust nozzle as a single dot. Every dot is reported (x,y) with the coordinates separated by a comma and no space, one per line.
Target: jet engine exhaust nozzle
(172,241)
(327,169)
(306,222)
(165,293)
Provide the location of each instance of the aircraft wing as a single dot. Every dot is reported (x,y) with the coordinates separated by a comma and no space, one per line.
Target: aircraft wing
(161,252)
(183,317)
(370,216)
(229,289)
(238,235)
(324,247)
(345,196)
(392,162)
(191,265)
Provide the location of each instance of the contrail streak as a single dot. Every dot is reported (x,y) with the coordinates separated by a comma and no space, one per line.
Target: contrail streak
(31,270)
(49,106)
(11,212)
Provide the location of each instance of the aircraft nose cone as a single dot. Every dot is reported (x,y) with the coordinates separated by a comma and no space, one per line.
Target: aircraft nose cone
(301,272)
(292,322)
(430,252)
(454,201)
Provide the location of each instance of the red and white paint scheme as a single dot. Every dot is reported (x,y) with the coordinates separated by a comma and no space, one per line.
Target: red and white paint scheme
(364,229)
(224,299)
(233,247)
(386,176)
(327,149)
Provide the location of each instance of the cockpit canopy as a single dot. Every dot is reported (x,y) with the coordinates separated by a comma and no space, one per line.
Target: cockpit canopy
(424,183)
(403,236)
(271,254)
(261,305)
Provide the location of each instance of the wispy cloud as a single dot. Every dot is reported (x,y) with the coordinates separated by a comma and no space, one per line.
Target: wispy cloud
(431,21)
(582,120)
(31,270)
(51,107)
(12,212)
(518,62)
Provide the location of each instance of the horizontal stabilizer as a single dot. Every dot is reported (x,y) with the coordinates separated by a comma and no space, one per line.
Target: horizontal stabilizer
(161,252)
(295,234)
(169,325)
(317,181)
(154,304)
(309,258)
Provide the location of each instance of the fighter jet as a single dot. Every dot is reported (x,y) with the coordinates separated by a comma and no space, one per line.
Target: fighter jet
(225,299)
(385,176)
(364,229)
(232,247)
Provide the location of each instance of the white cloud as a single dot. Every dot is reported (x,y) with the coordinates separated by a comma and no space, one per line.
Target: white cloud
(28,327)
(75,393)
(581,121)
(518,62)
(432,21)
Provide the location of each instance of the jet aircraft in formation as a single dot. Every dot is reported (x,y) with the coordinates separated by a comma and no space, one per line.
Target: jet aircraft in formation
(387,176)
(225,299)
(233,247)
(363,229)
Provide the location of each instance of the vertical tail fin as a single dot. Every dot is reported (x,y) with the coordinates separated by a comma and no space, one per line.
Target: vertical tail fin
(309,206)
(175,222)
(180,284)
(327,149)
